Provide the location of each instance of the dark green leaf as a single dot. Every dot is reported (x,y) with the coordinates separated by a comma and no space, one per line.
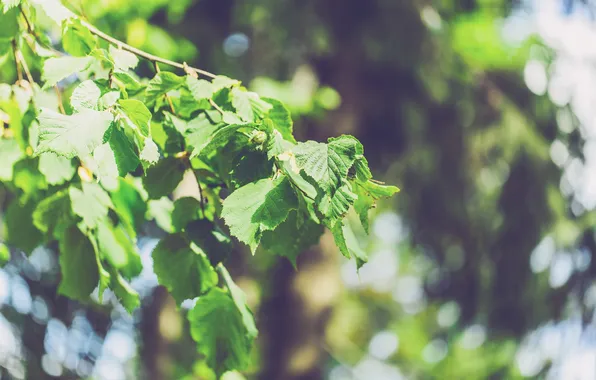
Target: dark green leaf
(186,209)
(78,264)
(182,268)
(20,230)
(118,249)
(211,239)
(54,214)
(160,180)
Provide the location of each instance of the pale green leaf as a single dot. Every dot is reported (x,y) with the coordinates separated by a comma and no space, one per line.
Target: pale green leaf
(258,207)
(248,105)
(108,99)
(123,60)
(128,297)
(9,4)
(54,214)
(56,69)
(281,118)
(161,84)
(348,244)
(85,96)
(161,210)
(27,176)
(91,203)
(57,169)
(77,40)
(10,153)
(220,82)
(138,114)
(75,135)
(54,9)
(150,152)
(200,88)
(182,268)
(217,326)
(118,249)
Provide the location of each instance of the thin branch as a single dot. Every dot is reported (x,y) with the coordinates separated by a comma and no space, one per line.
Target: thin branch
(16,61)
(59,95)
(216,106)
(142,53)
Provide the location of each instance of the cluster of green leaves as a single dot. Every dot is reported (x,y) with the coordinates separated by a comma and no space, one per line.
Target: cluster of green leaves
(132,141)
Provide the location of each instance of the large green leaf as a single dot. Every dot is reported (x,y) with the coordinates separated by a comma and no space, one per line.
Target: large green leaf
(186,209)
(10,153)
(215,138)
(20,230)
(211,239)
(9,21)
(90,203)
(56,69)
(118,249)
(258,207)
(127,159)
(281,118)
(292,237)
(348,243)
(182,268)
(138,114)
(200,88)
(54,214)
(123,60)
(164,177)
(218,327)
(161,84)
(78,264)
(74,135)
(57,169)
(248,105)
(129,205)
(86,96)
(77,40)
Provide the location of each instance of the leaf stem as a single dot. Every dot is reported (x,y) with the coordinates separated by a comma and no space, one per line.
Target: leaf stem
(216,106)
(141,53)
(225,275)
(16,61)
(59,95)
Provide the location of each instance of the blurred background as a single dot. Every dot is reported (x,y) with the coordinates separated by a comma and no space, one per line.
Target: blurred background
(482,111)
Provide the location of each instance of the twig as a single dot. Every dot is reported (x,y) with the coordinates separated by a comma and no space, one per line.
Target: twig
(216,106)
(142,53)
(16,61)
(59,95)
(202,199)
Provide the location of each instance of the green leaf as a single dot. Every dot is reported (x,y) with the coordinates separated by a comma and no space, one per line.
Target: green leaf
(129,206)
(103,164)
(27,176)
(85,96)
(123,60)
(182,268)
(211,239)
(215,138)
(56,169)
(54,215)
(348,243)
(161,84)
(290,239)
(9,21)
(108,99)
(9,4)
(217,326)
(150,152)
(328,164)
(186,209)
(4,254)
(160,180)
(281,118)
(56,69)
(138,114)
(368,193)
(10,153)
(75,135)
(20,230)
(220,82)
(161,210)
(91,203)
(78,264)
(77,40)
(240,301)
(118,249)
(127,82)
(258,207)
(335,206)
(128,297)
(248,105)
(124,153)
(249,167)
(200,88)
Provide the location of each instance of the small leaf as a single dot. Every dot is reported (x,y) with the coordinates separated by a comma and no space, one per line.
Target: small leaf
(220,82)
(289,239)
(182,268)
(161,84)
(131,85)
(56,69)
(128,297)
(118,249)
(85,96)
(75,135)
(348,243)
(20,230)
(258,207)
(186,209)
(54,215)
(217,326)
(281,118)
(57,169)
(161,210)
(9,4)
(150,152)
(77,40)
(10,153)
(91,203)
(248,105)
(78,264)
(124,153)
(123,60)
(216,137)
(129,205)
(138,114)
(200,88)
(160,180)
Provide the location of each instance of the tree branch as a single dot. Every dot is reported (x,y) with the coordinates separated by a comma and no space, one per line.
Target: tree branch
(142,53)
